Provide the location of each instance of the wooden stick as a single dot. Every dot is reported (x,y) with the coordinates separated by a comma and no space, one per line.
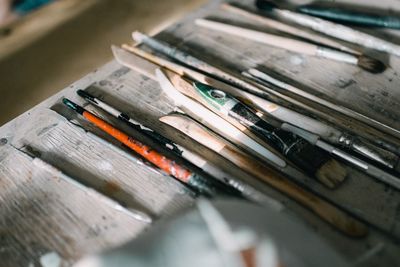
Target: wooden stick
(337,218)
(288,28)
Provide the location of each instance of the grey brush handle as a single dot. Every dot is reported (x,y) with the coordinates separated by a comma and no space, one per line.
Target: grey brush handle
(370,151)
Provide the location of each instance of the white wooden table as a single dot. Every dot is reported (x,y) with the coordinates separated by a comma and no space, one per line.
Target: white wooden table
(40,212)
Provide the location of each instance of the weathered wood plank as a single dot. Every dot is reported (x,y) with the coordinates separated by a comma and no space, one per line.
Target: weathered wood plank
(71,223)
(40,213)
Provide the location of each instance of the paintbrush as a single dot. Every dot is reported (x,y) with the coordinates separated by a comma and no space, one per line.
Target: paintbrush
(131,212)
(286,28)
(314,161)
(161,140)
(318,127)
(353,17)
(329,28)
(209,168)
(362,147)
(293,45)
(248,85)
(201,184)
(337,218)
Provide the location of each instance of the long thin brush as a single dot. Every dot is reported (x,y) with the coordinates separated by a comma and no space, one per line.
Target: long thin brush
(131,212)
(247,85)
(131,122)
(286,28)
(203,164)
(383,157)
(353,17)
(337,218)
(330,28)
(314,161)
(203,185)
(364,62)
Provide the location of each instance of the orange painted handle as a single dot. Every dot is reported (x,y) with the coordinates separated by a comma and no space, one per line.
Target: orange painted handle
(167,165)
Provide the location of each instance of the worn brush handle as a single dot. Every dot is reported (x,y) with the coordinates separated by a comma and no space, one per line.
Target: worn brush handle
(336,217)
(288,28)
(265,38)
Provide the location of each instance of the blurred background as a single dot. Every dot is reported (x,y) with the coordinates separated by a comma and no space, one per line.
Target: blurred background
(45,45)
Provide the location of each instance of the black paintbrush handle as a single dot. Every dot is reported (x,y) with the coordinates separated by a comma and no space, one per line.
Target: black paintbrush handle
(305,155)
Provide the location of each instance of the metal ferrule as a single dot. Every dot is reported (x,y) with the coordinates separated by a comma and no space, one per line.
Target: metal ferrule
(386,158)
(336,55)
(229,104)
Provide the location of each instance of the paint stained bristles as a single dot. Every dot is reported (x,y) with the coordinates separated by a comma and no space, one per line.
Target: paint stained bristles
(370,64)
(329,173)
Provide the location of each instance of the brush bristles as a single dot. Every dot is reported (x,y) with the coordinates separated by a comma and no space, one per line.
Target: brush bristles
(370,64)
(331,174)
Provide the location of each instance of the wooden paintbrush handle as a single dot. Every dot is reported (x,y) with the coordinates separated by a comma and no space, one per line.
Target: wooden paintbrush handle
(336,217)
(265,38)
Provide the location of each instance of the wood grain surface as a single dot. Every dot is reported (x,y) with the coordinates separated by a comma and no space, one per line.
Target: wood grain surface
(41,213)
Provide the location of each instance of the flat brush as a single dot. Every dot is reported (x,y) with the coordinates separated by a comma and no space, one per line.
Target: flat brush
(359,146)
(329,28)
(207,167)
(286,28)
(131,122)
(311,159)
(201,184)
(364,62)
(353,17)
(331,214)
(247,85)
(360,164)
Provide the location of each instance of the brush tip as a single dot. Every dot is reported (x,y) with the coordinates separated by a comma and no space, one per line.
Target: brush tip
(265,5)
(138,36)
(331,174)
(370,64)
(86,96)
(73,106)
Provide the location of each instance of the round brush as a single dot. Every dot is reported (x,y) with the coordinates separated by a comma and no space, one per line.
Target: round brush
(367,63)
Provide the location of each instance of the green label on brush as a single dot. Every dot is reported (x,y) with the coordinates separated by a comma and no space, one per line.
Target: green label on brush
(215,97)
